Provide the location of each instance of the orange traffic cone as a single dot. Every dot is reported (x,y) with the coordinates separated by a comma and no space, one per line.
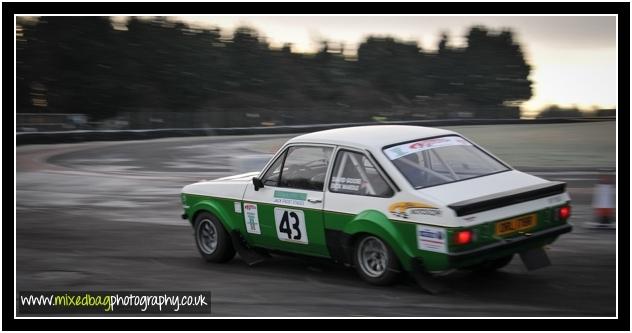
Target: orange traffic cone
(603,202)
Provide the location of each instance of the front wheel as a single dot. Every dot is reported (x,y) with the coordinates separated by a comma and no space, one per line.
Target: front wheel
(212,240)
(375,261)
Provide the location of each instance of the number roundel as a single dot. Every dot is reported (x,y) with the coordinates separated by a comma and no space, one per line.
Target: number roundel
(290,225)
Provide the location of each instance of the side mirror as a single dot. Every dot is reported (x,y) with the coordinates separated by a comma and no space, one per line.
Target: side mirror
(257,183)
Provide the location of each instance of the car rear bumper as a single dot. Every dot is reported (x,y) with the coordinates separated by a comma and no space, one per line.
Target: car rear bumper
(507,246)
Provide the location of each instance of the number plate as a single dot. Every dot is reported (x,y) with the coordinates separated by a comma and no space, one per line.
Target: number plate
(517,224)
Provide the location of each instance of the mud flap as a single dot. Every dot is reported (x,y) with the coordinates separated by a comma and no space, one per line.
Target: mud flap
(535,258)
(250,256)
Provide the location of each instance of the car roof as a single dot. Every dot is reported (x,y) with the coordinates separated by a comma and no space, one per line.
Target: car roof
(372,137)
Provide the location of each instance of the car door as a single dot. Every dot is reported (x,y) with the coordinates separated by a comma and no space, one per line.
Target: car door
(356,184)
(287,212)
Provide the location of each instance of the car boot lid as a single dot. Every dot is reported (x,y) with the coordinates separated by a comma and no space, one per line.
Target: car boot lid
(494,191)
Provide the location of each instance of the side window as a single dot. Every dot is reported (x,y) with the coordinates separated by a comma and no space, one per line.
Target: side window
(355,174)
(305,167)
(271,178)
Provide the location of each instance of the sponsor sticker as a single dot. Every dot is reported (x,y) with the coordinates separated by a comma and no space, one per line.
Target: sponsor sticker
(289,198)
(432,239)
(237,207)
(346,184)
(414,147)
(405,209)
(251,217)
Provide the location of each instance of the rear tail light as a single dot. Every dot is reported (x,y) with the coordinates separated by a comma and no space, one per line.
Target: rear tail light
(564,212)
(463,237)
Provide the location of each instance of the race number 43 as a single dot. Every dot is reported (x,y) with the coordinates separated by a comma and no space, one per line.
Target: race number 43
(290,225)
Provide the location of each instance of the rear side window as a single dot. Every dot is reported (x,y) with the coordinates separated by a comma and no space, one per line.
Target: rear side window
(355,174)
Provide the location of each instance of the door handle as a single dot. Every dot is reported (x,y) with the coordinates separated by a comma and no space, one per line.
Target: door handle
(314,200)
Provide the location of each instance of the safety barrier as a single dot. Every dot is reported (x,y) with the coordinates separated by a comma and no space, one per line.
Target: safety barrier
(25,138)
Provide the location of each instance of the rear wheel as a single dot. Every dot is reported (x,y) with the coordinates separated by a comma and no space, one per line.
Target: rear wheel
(212,240)
(375,261)
(491,265)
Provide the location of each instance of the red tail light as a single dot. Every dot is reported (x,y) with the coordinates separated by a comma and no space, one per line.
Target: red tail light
(564,212)
(463,237)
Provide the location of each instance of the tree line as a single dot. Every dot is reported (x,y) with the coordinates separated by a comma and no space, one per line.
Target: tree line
(83,65)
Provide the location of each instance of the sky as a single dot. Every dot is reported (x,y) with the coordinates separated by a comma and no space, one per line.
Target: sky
(573,57)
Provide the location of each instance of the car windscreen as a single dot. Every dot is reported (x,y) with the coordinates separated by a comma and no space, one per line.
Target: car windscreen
(436,161)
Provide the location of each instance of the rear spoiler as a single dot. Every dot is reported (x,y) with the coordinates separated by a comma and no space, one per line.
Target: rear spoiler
(507,198)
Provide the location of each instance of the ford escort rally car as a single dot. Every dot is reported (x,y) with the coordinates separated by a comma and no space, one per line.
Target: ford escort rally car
(382,199)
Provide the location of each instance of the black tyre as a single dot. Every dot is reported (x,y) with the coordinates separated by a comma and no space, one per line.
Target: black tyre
(491,265)
(212,240)
(375,261)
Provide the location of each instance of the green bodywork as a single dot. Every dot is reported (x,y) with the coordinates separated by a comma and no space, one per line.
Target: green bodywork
(399,235)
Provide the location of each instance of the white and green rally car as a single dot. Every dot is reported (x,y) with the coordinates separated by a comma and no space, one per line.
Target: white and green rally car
(383,199)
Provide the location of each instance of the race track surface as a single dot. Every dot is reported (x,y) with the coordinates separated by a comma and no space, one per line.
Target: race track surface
(106,216)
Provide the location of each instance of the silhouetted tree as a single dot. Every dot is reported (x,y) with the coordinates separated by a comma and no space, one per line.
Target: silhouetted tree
(392,66)
(83,65)
(497,73)
(70,64)
(555,111)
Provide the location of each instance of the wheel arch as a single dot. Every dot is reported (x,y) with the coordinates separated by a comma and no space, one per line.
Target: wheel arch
(372,222)
(208,206)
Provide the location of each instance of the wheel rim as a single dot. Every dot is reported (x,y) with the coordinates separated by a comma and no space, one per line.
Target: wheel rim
(207,236)
(372,256)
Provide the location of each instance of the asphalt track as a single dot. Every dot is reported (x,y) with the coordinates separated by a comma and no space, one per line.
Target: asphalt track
(105,216)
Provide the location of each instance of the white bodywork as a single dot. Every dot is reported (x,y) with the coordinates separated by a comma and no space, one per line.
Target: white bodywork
(429,205)
(231,187)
